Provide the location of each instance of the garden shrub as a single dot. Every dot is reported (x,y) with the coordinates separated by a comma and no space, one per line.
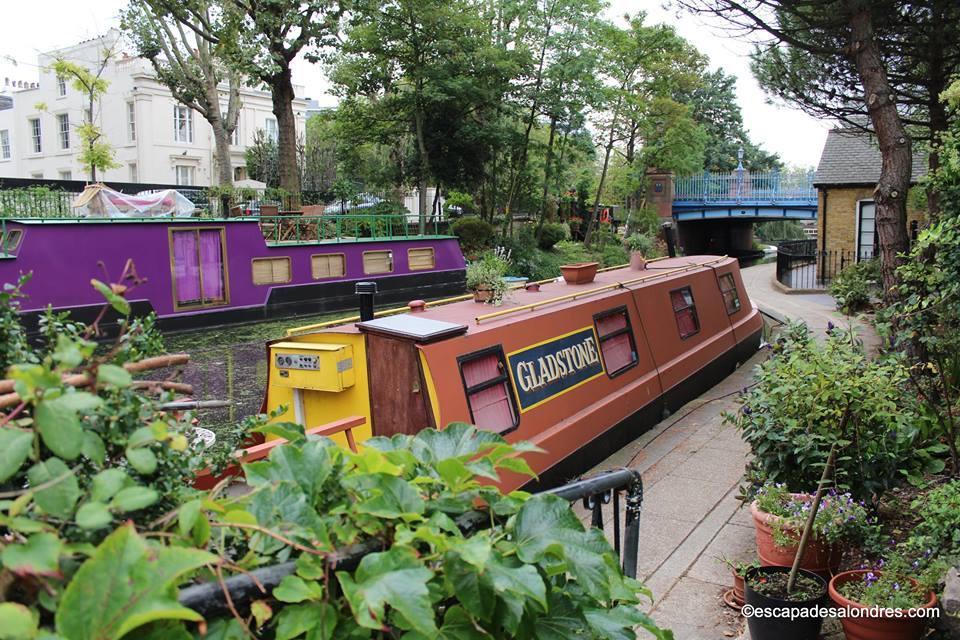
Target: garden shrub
(793,415)
(641,243)
(551,234)
(854,286)
(938,522)
(475,234)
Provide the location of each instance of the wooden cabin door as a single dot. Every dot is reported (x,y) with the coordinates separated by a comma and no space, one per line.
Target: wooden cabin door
(398,397)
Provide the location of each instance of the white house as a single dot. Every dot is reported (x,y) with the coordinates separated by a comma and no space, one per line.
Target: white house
(155,138)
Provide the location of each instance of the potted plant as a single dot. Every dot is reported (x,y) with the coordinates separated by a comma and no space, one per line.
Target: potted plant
(801,592)
(579,272)
(892,592)
(778,516)
(485,278)
(639,247)
(733,597)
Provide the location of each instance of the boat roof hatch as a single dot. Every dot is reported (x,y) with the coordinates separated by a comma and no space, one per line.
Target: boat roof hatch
(413,328)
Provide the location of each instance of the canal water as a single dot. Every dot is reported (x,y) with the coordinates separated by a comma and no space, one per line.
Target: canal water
(229,363)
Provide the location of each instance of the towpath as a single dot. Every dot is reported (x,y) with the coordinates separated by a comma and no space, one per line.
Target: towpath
(692,464)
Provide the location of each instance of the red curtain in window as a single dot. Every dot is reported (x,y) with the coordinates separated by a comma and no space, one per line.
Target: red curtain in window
(687,322)
(611,323)
(481,369)
(617,352)
(680,300)
(491,407)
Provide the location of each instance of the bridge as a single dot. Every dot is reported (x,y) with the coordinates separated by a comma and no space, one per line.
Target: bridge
(714,213)
(741,194)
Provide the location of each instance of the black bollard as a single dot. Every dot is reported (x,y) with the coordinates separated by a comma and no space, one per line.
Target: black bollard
(367,291)
(668,236)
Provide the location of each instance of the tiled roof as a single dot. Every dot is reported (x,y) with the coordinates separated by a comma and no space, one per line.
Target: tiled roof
(852,157)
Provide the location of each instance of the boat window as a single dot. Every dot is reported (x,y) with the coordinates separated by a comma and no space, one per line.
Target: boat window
(488,390)
(198,264)
(10,240)
(685,311)
(616,340)
(728,287)
(328,265)
(377,262)
(271,270)
(421,258)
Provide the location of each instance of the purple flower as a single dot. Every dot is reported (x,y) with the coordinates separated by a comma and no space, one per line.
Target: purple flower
(870,578)
(880,564)
(747,410)
(896,586)
(915,564)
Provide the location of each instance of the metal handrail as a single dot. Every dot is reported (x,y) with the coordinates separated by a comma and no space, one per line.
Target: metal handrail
(742,185)
(209,598)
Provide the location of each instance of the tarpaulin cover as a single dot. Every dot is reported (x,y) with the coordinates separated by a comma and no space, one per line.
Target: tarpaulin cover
(100,201)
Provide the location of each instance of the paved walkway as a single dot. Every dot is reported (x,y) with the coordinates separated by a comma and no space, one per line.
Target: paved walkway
(692,464)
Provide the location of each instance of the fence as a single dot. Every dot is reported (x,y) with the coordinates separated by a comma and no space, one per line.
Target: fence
(739,186)
(346,226)
(210,599)
(800,265)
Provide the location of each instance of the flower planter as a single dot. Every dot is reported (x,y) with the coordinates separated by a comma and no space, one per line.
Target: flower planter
(580,272)
(482,294)
(637,261)
(733,597)
(877,627)
(822,559)
(805,626)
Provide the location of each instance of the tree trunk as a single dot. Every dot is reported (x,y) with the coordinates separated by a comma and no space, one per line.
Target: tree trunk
(424,169)
(890,194)
(587,237)
(548,165)
(283,95)
(93,141)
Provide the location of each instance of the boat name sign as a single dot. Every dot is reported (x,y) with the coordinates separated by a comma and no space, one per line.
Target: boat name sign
(550,368)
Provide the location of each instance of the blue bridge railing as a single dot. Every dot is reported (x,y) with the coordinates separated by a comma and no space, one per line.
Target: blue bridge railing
(743,186)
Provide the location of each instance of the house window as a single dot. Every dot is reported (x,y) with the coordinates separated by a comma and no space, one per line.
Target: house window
(63,128)
(239,173)
(728,288)
(329,265)
(131,122)
(11,240)
(377,262)
(134,174)
(866,231)
(5,144)
(88,116)
(37,176)
(273,131)
(35,134)
(271,270)
(61,87)
(182,124)
(685,311)
(616,340)
(185,174)
(421,258)
(487,386)
(66,175)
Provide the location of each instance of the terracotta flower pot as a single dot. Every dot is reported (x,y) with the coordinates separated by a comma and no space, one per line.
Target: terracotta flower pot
(637,261)
(482,294)
(738,588)
(876,627)
(820,558)
(580,272)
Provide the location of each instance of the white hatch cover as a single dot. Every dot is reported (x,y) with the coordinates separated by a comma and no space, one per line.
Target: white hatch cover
(413,327)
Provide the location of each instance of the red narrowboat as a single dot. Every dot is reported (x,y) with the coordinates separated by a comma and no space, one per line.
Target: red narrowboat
(578,370)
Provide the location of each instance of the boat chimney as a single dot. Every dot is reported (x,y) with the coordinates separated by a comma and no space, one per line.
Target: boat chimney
(417,306)
(367,291)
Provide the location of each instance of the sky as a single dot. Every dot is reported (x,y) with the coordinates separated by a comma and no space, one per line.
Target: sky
(796,137)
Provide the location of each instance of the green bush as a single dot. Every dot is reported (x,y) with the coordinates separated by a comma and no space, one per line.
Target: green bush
(938,521)
(475,234)
(551,234)
(640,242)
(855,285)
(795,413)
(488,273)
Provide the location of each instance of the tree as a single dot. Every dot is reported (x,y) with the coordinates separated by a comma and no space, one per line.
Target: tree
(191,67)
(96,152)
(713,105)
(643,66)
(262,37)
(843,33)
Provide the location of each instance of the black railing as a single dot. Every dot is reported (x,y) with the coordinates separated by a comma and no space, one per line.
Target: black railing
(800,265)
(209,599)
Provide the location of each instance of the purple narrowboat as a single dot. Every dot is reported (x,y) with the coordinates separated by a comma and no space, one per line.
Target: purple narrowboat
(201,271)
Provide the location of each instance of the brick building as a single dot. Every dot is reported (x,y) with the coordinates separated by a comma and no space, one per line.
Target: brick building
(846,177)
